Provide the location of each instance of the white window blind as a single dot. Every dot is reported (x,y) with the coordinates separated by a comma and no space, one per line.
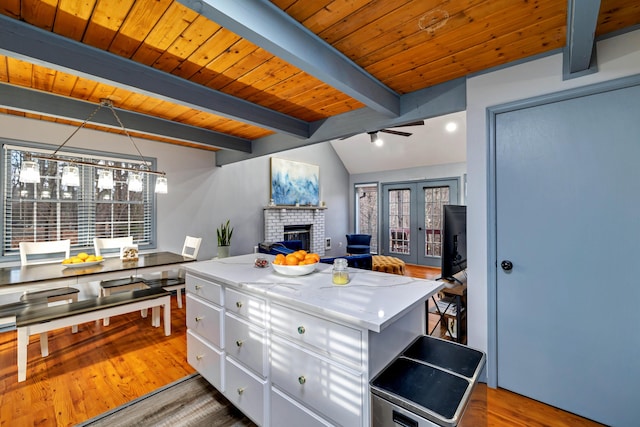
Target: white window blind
(50,211)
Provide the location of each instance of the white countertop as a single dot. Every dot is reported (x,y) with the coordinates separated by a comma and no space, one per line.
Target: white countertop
(371,300)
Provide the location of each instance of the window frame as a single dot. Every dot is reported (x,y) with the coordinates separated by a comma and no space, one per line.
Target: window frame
(87,195)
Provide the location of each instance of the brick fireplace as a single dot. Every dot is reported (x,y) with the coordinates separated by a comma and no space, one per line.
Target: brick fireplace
(276,218)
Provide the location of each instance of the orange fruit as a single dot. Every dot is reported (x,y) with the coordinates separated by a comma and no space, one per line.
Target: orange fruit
(291,259)
(313,257)
(279,259)
(300,254)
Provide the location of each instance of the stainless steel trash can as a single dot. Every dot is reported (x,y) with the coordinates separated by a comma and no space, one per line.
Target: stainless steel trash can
(428,384)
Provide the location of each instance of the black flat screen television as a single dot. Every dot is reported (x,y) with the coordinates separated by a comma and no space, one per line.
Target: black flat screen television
(454,241)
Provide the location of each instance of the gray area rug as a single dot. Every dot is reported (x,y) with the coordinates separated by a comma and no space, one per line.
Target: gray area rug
(190,401)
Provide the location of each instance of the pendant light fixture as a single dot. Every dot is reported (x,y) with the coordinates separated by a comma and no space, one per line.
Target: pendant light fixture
(71,176)
(161,185)
(134,182)
(29,172)
(105,179)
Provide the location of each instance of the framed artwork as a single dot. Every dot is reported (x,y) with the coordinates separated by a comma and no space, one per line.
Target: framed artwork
(294,182)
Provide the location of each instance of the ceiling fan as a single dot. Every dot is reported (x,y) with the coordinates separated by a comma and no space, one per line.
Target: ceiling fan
(397,132)
(374,134)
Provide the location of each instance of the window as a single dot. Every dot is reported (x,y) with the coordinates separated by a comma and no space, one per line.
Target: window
(367,212)
(49,210)
(434,199)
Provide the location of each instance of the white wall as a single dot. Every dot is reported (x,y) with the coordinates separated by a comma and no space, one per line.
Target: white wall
(201,196)
(240,191)
(617,57)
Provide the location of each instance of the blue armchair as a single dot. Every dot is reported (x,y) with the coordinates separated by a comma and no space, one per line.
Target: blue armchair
(358,243)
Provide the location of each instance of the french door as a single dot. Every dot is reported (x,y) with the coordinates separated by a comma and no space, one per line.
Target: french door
(412,219)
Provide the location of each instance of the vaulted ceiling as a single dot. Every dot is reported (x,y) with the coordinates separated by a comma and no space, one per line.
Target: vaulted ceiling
(253,77)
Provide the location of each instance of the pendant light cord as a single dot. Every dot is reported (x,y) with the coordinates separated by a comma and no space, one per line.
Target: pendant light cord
(109,104)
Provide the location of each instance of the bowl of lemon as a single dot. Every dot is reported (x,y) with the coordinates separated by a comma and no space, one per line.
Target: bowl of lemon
(299,263)
(83,259)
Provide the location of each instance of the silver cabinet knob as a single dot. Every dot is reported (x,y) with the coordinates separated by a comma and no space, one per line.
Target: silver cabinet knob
(198,287)
(302,379)
(301,330)
(239,304)
(240,390)
(239,343)
(200,357)
(199,318)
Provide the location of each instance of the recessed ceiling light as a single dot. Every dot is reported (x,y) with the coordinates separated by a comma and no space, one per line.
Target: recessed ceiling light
(451,126)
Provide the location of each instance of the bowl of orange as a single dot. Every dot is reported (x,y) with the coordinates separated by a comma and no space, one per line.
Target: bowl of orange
(299,263)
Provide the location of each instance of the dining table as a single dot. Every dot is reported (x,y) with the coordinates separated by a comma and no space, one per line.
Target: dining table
(20,276)
(18,280)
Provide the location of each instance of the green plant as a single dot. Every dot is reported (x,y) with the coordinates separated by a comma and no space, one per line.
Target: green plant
(225,231)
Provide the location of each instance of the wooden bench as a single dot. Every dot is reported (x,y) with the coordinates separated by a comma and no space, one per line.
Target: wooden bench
(9,311)
(39,319)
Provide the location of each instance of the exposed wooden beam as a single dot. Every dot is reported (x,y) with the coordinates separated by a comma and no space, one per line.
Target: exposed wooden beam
(446,98)
(267,26)
(580,54)
(47,104)
(32,44)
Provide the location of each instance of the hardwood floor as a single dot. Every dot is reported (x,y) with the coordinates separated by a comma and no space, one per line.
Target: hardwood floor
(100,368)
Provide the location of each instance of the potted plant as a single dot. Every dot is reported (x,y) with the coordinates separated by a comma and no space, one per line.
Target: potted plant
(225,231)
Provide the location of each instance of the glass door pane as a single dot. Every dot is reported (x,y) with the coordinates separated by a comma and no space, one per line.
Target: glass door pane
(399,221)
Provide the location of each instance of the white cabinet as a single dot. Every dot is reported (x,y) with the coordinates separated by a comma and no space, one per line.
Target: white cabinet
(317,382)
(206,359)
(205,319)
(286,412)
(329,338)
(246,391)
(284,360)
(247,343)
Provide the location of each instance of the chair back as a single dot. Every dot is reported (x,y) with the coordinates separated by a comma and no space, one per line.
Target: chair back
(40,248)
(191,247)
(359,239)
(100,243)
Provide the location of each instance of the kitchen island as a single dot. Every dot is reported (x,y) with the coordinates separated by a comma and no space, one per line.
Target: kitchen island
(292,351)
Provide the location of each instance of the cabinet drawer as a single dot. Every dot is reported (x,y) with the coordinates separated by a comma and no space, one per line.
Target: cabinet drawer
(246,391)
(247,343)
(286,412)
(248,306)
(318,383)
(204,289)
(205,319)
(333,339)
(206,359)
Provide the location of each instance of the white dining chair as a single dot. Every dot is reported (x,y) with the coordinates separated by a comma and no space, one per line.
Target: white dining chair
(100,243)
(108,287)
(174,280)
(52,295)
(44,248)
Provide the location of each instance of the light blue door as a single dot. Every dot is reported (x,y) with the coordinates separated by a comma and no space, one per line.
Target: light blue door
(412,219)
(568,221)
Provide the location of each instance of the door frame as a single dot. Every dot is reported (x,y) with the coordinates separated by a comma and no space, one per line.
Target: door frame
(492,228)
(455,196)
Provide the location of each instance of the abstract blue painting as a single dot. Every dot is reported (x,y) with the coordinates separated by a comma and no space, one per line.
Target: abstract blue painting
(294,182)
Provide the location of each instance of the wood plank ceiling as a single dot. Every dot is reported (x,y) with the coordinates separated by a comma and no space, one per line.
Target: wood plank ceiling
(245,75)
